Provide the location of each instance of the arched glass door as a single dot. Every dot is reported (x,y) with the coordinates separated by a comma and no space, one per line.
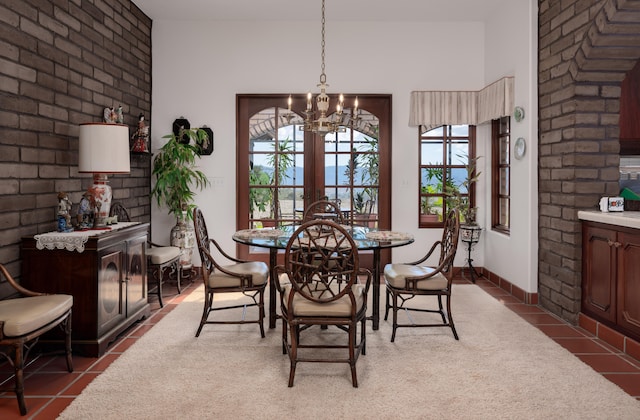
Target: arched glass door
(282,168)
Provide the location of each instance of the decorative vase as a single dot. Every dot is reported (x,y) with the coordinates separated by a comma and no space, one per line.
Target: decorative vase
(183,236)
(470,233)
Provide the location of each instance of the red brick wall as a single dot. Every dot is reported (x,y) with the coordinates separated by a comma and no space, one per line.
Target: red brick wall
(61,63)
(585,49)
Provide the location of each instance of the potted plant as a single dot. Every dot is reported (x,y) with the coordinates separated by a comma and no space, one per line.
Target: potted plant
(174,168)
(428,206)
(469,229)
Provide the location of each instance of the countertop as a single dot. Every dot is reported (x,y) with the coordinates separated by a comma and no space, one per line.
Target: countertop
(619,218)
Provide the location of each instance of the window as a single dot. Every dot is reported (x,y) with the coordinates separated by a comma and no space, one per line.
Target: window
(444,154)
(501,174)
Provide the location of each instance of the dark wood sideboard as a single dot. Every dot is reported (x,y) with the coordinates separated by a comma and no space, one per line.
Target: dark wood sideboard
(107,280)
(611,276)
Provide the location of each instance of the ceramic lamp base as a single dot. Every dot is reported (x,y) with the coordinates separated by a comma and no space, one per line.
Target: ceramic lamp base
(102,195)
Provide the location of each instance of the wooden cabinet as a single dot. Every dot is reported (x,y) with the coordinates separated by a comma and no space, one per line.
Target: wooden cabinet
(107,280)
(611,276)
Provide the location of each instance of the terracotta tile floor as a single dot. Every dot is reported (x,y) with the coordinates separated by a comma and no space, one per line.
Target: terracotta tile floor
(50,388)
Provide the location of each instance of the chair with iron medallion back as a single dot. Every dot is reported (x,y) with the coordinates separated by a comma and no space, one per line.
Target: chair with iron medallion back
(162,261)
(247,277)
(323,285)
(323,209)
(406,281)
(23,320)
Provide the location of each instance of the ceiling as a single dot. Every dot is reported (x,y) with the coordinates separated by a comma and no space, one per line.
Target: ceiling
(346,10)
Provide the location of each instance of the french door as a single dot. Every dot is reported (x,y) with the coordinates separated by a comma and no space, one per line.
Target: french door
(281,168)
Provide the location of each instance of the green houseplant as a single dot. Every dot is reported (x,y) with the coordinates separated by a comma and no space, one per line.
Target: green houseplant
(174,168)
(177,177)
(455,199)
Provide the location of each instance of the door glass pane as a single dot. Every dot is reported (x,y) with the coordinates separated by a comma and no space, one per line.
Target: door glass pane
(276,168)
(351,163)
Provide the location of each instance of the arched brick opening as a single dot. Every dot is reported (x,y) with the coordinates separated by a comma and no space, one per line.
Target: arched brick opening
(585,50)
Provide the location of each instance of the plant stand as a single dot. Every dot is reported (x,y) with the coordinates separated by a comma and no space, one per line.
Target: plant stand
(470,234)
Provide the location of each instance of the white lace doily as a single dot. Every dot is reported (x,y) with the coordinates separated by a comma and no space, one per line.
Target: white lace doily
(73,241)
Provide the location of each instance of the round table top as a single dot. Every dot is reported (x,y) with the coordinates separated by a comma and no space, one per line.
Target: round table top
(364,237)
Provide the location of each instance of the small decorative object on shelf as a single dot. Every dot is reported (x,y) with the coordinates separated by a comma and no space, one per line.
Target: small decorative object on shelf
(119,115)
(470,234)
(141,137)
(86,211)
(64,217)
(110,115)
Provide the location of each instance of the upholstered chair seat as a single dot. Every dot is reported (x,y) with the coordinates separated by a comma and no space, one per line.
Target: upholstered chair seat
(163,254)
(24,315)
(258,270)
(23,320)
(397,275)
(341,307)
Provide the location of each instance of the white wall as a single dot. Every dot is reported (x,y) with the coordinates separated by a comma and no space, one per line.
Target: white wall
(199,67)
(512,49)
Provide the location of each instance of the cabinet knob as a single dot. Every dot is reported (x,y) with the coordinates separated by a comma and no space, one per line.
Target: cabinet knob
(615,244)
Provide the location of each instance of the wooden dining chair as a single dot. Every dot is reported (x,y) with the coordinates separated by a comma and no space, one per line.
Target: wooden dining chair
(323,209)
(23,320)
(406,281)
(246,277)
(162,261)
(321,283)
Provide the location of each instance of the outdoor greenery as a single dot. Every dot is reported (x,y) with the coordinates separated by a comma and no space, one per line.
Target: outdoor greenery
(455,199)
(174,168)
(281,162)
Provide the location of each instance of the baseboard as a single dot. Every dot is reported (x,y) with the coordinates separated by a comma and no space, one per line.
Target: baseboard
(526,297)
(610,336)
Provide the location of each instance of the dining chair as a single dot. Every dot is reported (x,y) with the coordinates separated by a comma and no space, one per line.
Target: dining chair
(406,281)
(161,260)
(246,277)
(23,320)
(320,283)
(323,209)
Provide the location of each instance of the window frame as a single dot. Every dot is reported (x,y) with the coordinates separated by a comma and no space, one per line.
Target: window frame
(446,167)
(498,166)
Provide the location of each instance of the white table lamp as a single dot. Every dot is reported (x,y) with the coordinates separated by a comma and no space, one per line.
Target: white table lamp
(103,149)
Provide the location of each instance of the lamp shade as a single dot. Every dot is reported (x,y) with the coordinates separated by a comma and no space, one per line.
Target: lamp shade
(104,148)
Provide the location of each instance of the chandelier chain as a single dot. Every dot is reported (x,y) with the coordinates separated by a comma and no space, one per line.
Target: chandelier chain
(323,76)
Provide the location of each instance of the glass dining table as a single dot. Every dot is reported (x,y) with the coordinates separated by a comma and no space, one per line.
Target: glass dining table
(367,239)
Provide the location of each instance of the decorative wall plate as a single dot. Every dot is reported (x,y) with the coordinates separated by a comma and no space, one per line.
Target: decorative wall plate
(518,113)
(209,145)
(520,148)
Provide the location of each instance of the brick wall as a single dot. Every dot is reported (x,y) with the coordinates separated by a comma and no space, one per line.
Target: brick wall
(61,63)
(585,49)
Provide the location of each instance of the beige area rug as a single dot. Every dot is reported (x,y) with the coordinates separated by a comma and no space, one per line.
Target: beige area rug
(502,368)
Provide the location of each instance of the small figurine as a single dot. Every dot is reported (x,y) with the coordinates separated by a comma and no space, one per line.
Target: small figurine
(141,137)
(110,115)
(64,218)
(86,211)
(120,115)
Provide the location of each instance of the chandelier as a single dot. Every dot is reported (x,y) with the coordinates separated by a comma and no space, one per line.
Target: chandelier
(325,124)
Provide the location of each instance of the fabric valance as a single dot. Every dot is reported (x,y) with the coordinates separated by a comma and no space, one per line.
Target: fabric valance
(435,108)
